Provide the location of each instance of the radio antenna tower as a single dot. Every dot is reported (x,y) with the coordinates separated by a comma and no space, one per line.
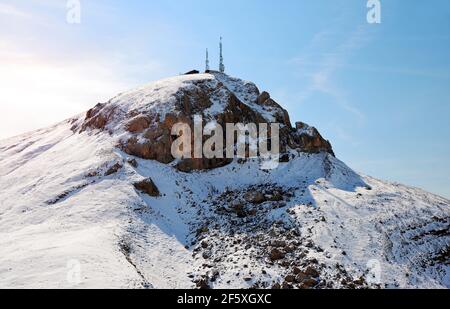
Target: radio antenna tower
(221,66)
(207,61)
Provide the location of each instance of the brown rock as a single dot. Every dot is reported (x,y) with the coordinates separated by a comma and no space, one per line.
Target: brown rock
(98,117)
(147,186)
(239,209)
(301,276)
(289,249)
(276,286)
(276,255)
(312,272)
(138,124)
(113,169)
(308,284)
(151,137)
(296,270)
(300,125)
(278,243)
(92,174)
(290,278)
(309,140)
(189,165)
(263,97)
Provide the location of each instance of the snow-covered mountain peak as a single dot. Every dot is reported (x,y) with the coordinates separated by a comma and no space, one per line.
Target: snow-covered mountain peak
(100,195)
(167,96)
(142,119)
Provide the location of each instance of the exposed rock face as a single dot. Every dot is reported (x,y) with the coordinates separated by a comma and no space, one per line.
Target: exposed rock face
(138,124)
(276,255)
(97,118)
(147,186)
(263,97)
(113,169)
(146,117)
(308,139)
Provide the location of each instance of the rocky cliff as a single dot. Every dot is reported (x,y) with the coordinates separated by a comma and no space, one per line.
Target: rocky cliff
(145,116)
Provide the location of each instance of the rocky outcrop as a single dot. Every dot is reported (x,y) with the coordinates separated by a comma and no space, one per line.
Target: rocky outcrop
(138,124)
(97,118)
(308,139)
(255,197)
(263,97)
(113,169)
(213,96)
(148,187)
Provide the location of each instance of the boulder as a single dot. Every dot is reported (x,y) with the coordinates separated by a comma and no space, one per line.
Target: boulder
(276,286)
(113,169)
(278,243)
(148,187)
(290,278)
(308,284)
(276,255)
(301,276)
(296,270)
(239,209)
(312,272)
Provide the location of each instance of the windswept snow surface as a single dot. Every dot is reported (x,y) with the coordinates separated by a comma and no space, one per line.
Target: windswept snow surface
(166,96)
(65,222)
(54,210)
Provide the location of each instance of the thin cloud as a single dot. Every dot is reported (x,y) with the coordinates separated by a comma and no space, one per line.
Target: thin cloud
(321,78)
(12,11)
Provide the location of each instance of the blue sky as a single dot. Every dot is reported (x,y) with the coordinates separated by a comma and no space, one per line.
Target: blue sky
(380,93)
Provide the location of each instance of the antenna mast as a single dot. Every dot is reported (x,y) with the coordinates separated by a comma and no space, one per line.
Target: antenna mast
(207,61)
(221,66)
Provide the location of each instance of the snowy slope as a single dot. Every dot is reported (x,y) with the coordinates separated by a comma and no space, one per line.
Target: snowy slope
(59,204)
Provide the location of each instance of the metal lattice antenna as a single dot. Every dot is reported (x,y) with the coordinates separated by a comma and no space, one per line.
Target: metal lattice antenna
(221,66)
(207,61)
